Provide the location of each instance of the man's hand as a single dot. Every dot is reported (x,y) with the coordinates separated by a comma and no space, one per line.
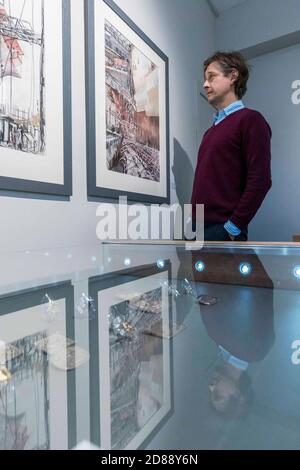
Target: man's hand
(230,227)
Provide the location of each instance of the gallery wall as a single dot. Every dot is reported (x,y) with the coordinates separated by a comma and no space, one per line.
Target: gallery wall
(270,91)
(185,33)
(242,28)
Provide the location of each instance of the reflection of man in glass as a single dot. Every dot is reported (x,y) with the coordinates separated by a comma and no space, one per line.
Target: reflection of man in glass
(244,332)
(230,388)
(240,323)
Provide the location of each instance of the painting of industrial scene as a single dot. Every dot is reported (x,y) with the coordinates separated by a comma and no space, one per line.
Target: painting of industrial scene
(132,108)
(24,398)
(22,113)
(136,366)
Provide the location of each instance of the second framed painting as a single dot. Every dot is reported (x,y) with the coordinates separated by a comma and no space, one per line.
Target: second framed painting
(131,367)
(127,97)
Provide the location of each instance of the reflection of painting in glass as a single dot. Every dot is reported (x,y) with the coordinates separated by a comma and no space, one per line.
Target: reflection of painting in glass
(132,108)
(24,413)
(22,116)
(136,366)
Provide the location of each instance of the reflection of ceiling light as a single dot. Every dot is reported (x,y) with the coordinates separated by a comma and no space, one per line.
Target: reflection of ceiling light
(200,266)
(5,375)
(127,261)
(297,272)
(245,269)
(160,263)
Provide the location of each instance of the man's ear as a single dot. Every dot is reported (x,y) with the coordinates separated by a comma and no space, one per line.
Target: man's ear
(234,75)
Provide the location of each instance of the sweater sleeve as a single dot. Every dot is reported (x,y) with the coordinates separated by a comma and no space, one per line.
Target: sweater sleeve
(257,153)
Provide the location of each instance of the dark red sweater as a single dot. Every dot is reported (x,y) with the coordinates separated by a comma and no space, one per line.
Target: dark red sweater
(233,173)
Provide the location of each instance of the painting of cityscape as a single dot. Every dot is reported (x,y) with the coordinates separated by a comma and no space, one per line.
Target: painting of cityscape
(136,366)
(133,365)
(22,113)
(35,97)
(29,369)
(36,325)
(132,108)
(127,108)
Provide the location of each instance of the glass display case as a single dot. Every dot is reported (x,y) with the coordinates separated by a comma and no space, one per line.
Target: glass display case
(167,345)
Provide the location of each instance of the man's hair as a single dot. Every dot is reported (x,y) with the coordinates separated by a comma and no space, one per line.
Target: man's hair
(235,405)
(228,62)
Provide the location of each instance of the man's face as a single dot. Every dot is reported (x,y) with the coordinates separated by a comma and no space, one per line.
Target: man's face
(216,85)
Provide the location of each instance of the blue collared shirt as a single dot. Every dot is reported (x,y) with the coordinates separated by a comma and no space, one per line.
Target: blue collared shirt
(218,117)
(223,113)
(233,360)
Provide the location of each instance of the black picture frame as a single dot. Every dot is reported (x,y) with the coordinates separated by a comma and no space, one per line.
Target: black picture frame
(10,185)
(96,191)
(117,280)
(25,299)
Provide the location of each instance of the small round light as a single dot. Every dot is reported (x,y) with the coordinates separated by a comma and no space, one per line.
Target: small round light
(199,266)
(127,261)
(160,263)
(245,269)
(94,259)
(46,253)
(69,256)
(297,272)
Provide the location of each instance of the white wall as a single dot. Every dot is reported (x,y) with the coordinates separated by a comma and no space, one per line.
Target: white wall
(270,92)
(185,32)
(258,25)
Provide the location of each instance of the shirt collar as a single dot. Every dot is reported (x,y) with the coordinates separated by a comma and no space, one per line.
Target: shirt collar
(233,360)
(235,106)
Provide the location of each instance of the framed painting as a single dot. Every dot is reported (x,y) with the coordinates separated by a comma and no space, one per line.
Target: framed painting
(37,404)
(35,97)
(127,96)
(131,357)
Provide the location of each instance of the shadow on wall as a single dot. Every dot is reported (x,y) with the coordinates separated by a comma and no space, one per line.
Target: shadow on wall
(183,174)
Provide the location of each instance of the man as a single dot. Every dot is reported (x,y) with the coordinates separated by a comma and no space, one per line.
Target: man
(233,173)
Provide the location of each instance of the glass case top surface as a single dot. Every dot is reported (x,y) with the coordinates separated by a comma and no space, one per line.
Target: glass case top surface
(166,346)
